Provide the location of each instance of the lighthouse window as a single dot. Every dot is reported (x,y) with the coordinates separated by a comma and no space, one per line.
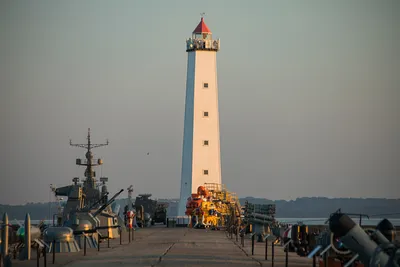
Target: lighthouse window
(205,172)
(205,142)
(205,113)
(205,85)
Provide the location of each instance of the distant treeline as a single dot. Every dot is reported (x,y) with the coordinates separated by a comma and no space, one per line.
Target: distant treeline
(306,207)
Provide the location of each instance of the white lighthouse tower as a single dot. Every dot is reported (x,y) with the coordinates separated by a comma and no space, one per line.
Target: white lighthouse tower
(201,161)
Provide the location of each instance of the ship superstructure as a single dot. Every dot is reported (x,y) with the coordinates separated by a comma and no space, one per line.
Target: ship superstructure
(88,206)
(88,194)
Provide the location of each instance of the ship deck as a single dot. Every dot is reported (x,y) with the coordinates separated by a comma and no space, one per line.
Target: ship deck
(161,246)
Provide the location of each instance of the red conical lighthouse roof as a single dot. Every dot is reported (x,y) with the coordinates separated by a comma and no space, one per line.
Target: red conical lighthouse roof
(202,27)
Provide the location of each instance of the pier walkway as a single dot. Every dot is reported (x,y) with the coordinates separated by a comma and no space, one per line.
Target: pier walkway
(294,260)
(161,246)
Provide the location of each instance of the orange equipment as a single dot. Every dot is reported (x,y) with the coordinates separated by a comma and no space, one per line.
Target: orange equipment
(193,203)
(202,191)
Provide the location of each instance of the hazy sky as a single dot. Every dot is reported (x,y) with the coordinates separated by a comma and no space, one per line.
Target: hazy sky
(309,95)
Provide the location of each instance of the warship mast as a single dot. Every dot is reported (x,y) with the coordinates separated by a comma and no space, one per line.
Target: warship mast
(90,174)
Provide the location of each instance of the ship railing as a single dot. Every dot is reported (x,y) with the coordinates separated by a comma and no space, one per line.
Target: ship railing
(214,187)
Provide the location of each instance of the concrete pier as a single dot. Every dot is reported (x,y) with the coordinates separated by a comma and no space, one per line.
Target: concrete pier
(294,260)
(161,246)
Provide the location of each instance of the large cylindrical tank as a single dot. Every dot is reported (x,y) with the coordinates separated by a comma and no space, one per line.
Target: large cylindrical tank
(59,234)
(60,239)
(83,225)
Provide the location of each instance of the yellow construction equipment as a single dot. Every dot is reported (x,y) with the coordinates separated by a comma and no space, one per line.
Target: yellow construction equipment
(213,206)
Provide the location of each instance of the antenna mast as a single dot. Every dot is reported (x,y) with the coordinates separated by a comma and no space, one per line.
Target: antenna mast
(130,191)
(89,145)
(89,173)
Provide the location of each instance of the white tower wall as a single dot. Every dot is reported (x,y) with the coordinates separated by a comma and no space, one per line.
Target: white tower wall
(201,160)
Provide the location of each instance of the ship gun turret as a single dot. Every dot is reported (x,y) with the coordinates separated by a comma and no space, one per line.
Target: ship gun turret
(373,249)
(87,210)
(99,224)
(84,221)
(98,201)
(109,202)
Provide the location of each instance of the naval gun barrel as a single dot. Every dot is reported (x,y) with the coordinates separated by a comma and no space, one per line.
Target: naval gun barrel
(98,201)
(109,202)
(357,240)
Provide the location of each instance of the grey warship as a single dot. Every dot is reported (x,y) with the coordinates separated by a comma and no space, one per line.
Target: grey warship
(88,210)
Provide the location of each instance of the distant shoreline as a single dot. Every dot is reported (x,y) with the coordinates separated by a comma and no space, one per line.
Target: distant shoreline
(302,209)
(306,221)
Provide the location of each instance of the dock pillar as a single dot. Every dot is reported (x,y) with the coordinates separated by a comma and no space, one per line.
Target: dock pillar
(4,239)
(27,239)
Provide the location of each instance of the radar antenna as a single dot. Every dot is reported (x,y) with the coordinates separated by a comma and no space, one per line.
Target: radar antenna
(89,145)
(89,173)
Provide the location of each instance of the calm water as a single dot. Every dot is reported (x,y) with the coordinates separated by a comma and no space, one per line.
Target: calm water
(308,221)
(321,221)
